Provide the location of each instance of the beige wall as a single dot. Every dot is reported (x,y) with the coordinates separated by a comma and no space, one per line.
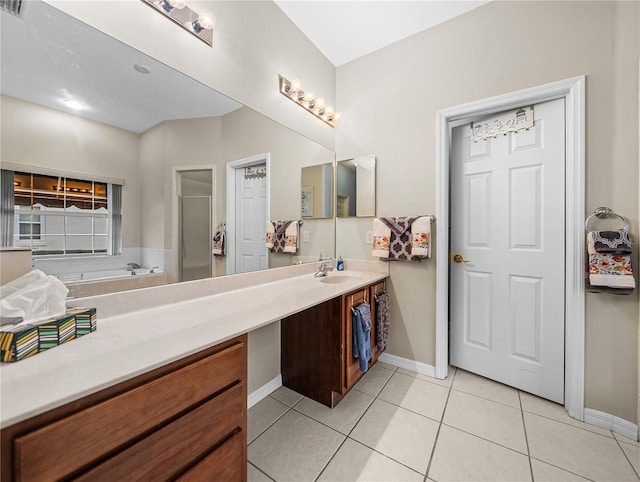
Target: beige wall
(498,48)
(38,136)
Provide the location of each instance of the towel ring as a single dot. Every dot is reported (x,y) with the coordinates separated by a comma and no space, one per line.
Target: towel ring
(605,212)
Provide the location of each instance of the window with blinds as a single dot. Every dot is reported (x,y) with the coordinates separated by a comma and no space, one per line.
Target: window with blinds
(64,216)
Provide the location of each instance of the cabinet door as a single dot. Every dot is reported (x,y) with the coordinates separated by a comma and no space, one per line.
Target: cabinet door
(311,356)
(352,365)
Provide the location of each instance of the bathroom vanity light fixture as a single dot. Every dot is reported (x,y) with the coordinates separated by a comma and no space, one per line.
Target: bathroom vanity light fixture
(199,24)
(292,89)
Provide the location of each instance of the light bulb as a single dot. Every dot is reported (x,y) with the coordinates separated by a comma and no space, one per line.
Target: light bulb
(168,5)
(329,109)
(320,102)
(205,20)
(296,85)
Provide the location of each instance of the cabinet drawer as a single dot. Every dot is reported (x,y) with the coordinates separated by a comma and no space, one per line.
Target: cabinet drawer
(160,455)
(60,448)
(224,463)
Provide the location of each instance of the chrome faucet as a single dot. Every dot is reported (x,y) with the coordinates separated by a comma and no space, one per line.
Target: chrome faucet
(324,269)
(133,267)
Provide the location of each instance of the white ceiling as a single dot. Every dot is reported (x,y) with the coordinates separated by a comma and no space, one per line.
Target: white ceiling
(346,30)
(47,56)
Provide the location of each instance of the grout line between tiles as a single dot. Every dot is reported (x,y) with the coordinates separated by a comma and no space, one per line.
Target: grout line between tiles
(272,423)
(526,439)
(485,439)
(261,471)
(376,397)
(330,459)
(569,424)
(435,442)
(489,399)
(561,468)
(626,457)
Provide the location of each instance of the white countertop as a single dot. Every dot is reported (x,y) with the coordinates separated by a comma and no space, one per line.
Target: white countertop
(129,344)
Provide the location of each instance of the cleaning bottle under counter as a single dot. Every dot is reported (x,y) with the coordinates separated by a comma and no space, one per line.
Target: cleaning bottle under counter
(340,264)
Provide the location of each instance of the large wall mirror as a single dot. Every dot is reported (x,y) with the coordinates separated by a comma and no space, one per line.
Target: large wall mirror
(145,135)
(316,196)
(356,187)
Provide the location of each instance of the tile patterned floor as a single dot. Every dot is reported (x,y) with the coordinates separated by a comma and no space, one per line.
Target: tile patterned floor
(396,425)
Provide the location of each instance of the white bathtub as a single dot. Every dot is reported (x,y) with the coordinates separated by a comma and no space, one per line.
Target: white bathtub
(102,275)
(89,283)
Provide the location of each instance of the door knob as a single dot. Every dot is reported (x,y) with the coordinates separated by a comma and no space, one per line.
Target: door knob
(459,259)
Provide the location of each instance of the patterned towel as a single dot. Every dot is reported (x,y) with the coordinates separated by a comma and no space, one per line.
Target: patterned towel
(421,237)
(609,269)
(218,243)
(282,236)
(617,242)
(381,237)
(383,313)
(270,235)
(400,240)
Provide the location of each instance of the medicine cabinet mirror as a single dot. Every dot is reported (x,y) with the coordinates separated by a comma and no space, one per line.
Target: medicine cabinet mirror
(356,187)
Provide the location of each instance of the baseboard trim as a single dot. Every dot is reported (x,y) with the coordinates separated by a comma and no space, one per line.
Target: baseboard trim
(264,391)
(414,366)
(611,422)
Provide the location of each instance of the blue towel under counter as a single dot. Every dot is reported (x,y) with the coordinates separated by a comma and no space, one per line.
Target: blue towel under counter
(361,334)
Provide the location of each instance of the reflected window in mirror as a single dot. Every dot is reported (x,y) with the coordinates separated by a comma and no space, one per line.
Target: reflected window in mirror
(356,187)
(316,193)
(60,216)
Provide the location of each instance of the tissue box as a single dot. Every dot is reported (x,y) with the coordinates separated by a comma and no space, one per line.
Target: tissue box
(86,320)
(18,343)
(56,331)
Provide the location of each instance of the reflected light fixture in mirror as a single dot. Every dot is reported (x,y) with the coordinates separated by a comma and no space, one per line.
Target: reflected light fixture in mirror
(199,24)
(292,89)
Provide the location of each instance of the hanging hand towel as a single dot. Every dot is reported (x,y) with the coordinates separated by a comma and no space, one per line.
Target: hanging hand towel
(383,313)
(361,338)
(617,242)
(270,235)
(291,237)
(609,269)
(218,243)
(421,237)
(400,240)
(381,236)
(279,236)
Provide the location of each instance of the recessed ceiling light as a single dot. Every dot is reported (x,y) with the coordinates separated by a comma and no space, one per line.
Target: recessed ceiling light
(73,104)
(143,69)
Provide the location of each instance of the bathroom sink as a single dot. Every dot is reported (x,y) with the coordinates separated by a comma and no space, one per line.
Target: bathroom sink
(342,277)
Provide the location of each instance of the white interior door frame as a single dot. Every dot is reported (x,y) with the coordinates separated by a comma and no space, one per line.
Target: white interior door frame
(573,91)
(231,202)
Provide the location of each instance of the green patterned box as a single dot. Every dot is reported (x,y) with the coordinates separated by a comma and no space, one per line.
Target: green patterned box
(86,320)
(56,331)
(18,343)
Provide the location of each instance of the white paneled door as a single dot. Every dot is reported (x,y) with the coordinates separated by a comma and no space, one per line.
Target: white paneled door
(250,222)
(508,254)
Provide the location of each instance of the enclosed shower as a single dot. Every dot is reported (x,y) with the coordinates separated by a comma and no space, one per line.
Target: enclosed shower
(194,224)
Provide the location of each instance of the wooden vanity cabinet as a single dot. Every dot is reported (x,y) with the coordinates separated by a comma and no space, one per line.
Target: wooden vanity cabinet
(317,352)
(184,421)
